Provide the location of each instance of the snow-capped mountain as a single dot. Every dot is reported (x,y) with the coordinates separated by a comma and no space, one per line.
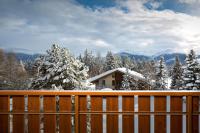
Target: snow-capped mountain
(136,57)
(169,57)
(166,51)
(27,57)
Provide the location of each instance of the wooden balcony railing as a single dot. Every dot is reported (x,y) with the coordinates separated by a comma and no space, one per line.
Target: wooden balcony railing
(98,112)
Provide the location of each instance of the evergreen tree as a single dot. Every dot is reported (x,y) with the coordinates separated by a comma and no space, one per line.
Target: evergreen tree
(127,62)
(98,65)
(198,77)
(149,72)
(118,61)
(128,82)
(110,62)
(140,66)
(191,72)
(177,72)
(161,75)
(58,69)
(89,60)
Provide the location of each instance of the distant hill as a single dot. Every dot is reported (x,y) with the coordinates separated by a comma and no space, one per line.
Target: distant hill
(134,56)
(26,57)
(169,57)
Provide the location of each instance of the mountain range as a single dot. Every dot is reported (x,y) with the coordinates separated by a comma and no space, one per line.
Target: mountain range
(169,57)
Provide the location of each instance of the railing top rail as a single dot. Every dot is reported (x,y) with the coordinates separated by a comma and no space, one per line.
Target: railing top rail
(100,93)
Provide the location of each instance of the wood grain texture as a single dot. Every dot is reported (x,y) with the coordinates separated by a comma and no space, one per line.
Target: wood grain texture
(49,104)
(195,118)
(96,119)
(160,121)
(76,111)
(176,120)
(176,105)
(18,119)
(100,93)
(83,117)
(4,107)
(65,120)
(112,120)
(128,120)
(34,119)
(144,105)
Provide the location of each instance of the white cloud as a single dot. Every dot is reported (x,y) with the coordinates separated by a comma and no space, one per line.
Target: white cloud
(39,24)
(189,1)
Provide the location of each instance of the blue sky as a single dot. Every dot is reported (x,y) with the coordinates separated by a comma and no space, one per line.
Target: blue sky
(136,26)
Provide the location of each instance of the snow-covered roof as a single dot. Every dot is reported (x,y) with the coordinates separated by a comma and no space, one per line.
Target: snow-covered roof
(123,70)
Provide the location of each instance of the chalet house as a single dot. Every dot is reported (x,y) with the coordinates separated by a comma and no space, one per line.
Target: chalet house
(113,78)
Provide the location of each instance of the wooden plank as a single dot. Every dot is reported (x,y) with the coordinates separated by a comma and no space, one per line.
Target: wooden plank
(49,104)
(83,117)
(144,105)
(18,119)
(76,114)
(176,120)
(195,118)
(160,121)
(4,118)
(100,93)
(65,119)
(128,120)
(96,119)
(33,119)
(112,120)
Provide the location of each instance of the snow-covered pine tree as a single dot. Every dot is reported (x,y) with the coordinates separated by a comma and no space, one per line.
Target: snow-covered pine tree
(161,75)
(98,65)
(126,81)
(127,62)
(88,59)
(149,72)
(198,77)
(177,72)
(191,72)
(110,62)
(58,69)
(140,66)
(118,61)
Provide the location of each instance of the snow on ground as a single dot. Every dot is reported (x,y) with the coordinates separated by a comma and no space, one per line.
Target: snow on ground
(106,89)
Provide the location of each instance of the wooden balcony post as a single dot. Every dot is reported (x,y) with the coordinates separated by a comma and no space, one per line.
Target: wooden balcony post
(77,114)
(189,113)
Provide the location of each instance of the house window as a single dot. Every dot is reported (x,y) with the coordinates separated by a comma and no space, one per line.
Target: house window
(103,82)
(113,82)
(113,75)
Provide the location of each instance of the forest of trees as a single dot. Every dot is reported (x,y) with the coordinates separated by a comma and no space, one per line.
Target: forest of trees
(12,72)
(59,69)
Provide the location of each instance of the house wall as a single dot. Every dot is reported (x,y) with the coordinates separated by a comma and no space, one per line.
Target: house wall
(117,77)
(118,80)
(108,82)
